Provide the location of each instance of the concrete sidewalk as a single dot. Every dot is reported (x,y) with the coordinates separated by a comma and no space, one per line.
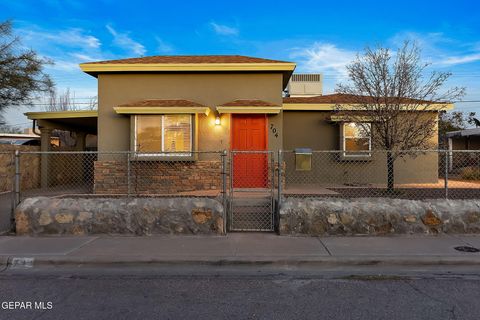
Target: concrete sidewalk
(238,248)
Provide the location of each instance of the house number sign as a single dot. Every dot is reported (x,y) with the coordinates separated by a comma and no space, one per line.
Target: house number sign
(274,130)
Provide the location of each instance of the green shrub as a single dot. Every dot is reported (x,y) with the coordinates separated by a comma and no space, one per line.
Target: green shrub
(470,173)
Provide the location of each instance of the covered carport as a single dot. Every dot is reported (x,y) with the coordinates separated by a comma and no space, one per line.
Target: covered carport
(81,123)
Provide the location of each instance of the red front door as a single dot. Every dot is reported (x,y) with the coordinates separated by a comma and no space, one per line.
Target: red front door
(249,133)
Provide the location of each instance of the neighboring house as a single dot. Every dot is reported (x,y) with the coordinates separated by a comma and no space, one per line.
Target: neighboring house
(20,139)
(164,107)
(468,139)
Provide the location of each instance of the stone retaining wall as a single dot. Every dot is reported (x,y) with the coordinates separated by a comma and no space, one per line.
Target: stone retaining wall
(322,217)
(135,216)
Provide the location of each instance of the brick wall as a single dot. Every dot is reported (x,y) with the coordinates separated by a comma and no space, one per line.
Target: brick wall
(157,177)
(110,177)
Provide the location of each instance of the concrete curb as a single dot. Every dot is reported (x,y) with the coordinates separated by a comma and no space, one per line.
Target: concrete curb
(119,261)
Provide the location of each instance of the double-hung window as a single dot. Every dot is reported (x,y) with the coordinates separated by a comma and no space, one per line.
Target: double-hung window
(357,140)
(163,135)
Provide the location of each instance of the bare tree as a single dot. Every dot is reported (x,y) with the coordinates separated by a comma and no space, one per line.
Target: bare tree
(10,129)
(92,103)
(21,71)
(396,95)
(66,101)
(59,102)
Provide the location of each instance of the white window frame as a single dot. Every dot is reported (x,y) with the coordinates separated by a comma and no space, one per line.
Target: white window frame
(362,154)
(162,153)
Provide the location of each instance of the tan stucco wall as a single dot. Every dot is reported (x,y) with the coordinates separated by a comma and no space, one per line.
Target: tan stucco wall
(311,129)
(210,89)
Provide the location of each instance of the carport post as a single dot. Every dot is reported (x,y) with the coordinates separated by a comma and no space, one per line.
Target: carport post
(45,136)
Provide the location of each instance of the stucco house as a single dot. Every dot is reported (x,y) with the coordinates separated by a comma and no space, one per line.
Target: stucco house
(164,108)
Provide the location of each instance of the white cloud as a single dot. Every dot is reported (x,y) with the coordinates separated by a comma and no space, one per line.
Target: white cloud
(224,30)
(64,65)
(162,46)
(77,36)
(440,50)
(84,57)
(323,57)
(454,60)
(73,37)
(65,47)
(124,41)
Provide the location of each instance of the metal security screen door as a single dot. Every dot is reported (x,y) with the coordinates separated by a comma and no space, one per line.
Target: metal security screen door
(252,191)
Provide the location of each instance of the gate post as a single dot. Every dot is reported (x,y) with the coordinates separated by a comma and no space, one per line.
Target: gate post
(17,177)
(446,174)
(224,189)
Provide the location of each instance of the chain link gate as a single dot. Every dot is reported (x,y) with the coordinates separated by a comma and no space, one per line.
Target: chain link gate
(251,190)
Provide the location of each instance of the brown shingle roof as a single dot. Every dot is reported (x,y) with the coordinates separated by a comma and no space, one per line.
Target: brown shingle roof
(163,103)
(190,59)
(342,98)
(249,103)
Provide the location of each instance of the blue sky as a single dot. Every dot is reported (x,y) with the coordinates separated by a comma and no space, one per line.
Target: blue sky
(319,36)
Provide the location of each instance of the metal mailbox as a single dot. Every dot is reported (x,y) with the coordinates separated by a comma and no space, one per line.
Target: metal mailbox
(303,159)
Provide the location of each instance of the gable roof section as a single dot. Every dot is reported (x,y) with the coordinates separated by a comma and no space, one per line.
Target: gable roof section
(201,63)
(204,59)
(162,106)
(163,103)
(330,101)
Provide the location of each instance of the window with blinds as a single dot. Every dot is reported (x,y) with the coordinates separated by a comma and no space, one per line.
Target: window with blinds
(163,134)
(357,139)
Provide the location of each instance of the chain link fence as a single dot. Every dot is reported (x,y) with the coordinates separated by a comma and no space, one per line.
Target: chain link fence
(412,175)
(406,175)
(192,174)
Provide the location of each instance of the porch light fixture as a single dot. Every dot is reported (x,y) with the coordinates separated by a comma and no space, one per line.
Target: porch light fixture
(217,120)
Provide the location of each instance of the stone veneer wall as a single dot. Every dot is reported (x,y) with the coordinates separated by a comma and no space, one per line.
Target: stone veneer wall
(131,216)
(323,217)
(157,177)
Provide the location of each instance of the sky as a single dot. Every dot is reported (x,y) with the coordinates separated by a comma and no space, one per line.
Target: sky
(320,36)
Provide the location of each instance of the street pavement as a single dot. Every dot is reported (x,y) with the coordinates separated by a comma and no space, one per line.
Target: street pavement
(245,293)
(239,276)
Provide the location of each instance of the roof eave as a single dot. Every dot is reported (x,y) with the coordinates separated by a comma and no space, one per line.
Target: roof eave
(353,107)
(61,114)
(94,69)
(169,67)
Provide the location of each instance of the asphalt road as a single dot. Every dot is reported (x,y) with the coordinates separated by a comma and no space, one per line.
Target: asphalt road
(250,294)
